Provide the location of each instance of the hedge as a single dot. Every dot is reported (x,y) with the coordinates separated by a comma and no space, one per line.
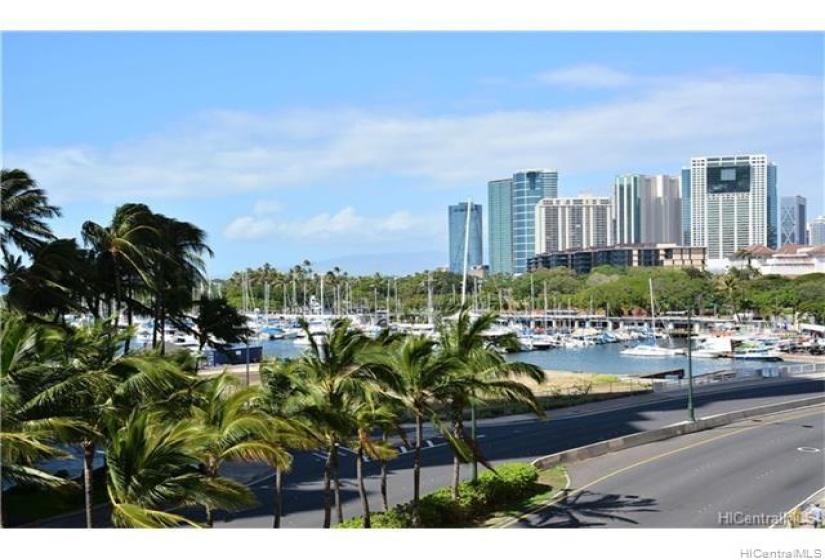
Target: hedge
(492,491)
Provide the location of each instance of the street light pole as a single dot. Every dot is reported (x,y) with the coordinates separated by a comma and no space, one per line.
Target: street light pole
(691,412)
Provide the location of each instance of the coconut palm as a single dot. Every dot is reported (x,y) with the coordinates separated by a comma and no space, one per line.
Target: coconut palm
(283,394)
(483,374)
(24,208)
(93,384)
(176,267)
(371,409)
(152,467)
(24,439)
(234,427)
(120,248)
(335,372)
(218,323)
(421,377)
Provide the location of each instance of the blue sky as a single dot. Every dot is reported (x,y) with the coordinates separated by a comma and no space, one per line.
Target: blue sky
(287,146)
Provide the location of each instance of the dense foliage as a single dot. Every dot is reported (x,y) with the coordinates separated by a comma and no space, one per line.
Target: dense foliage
(493,491)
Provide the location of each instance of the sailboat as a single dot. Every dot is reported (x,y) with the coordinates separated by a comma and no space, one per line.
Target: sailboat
(652,349)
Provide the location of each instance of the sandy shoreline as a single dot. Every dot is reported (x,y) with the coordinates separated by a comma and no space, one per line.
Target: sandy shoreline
(555,380)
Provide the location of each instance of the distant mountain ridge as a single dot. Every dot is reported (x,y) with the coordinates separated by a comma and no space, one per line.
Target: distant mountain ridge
(392,264)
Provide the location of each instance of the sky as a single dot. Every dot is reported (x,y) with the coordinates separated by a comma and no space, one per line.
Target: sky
(345,148)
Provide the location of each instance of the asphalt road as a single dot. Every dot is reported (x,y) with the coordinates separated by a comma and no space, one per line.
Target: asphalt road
(746,474)
(515,438)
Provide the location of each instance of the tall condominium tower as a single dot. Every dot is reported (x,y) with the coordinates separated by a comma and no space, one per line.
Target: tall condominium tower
(792,220)
(457,215)
(733,203)
(529,187)
(685,186)
(512,206)
(646,209)
(572,223)
(816,231)
(500,225)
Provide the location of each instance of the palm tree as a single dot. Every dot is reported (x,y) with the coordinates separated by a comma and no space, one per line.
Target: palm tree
(120,248)
(283,394)
(335,372)
(152,466)
(371,409)
(483,374)
(93,384)
(218,323)
(234,428)
(177,267)
(421,377)
(24,208)
(24,439)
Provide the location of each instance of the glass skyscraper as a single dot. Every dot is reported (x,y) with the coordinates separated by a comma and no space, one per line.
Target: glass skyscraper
(733,203)
(457,219)
(792,221)
(500,225)
(529,187)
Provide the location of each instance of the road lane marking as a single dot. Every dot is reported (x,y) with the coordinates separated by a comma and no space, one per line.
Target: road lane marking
(566,495)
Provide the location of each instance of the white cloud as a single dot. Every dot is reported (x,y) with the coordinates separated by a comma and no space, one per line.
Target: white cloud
(344,226)
(587,76)
(668,120)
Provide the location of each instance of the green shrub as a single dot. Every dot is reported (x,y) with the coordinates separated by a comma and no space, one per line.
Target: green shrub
(492,491)
(394,519)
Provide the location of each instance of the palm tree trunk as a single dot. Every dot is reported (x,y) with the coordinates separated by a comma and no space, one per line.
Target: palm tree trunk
(458,432)
(88,478)
(419,435)
(384,499)
(117,293)
(278,502)
(210,517)
(327,492)
(339,507)
(362,491)
(129,317)
(2,512)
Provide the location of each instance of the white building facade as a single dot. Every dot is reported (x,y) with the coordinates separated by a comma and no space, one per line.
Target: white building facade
(572,223)
(733,203)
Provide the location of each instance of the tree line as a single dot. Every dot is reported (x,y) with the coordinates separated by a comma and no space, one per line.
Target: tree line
(621,291)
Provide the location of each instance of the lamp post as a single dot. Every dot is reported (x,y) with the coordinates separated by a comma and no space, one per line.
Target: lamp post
(691,412)
(247,361)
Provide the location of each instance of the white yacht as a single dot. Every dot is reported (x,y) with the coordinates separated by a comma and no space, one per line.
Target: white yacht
(652,349)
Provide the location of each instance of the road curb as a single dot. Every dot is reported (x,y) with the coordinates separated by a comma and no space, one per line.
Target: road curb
(659,434)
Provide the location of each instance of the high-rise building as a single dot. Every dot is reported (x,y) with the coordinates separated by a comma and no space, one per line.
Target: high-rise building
(511,220)
(500,225)
(792,221)
(646,209)
(816,231)
(529,187)
(733,203)
(572,223)
(458,221)
(685,206)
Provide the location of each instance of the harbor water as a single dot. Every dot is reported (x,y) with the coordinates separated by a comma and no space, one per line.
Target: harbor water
(600,358)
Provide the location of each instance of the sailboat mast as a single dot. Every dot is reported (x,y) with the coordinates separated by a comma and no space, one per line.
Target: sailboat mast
(652,309)
(466,253)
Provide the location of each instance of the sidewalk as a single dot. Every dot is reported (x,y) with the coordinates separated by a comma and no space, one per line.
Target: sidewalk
(800,517)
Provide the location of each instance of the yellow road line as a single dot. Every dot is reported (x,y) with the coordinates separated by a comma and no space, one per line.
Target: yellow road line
(646,461)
